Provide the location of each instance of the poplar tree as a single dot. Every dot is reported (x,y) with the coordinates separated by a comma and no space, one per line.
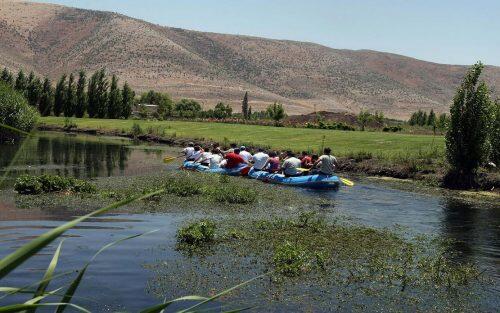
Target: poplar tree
(244,106)
(127,101)
(467,144)
(46,99)
(81,97)
(60,95)
(114,99)
(102,85)
(6,77)
(92,100)
(21,82)
(70,103)
(431,120)
(34,91)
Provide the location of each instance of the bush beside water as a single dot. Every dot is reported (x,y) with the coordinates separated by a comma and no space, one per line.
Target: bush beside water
(15,112)
(197,233)
(29,184)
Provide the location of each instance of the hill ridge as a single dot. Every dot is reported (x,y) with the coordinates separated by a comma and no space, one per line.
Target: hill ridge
(211,67)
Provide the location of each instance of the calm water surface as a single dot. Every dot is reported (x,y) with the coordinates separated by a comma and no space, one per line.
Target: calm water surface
(117,279)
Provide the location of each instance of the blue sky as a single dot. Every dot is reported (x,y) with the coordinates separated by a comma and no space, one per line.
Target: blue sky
(443,31)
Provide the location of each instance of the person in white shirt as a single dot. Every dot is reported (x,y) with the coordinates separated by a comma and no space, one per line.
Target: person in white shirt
(291,165)
(260,160)
(196,153)
(215,159)
(204,158)
(247,156)
(326,162)
(188,151)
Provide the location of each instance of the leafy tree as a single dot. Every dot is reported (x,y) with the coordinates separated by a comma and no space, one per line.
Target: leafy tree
(21,82)
(244,106)
(81,96)
(162,100)
(70,100)
(431,119)
(92,97)
(6,77)
(379,117)
(34,90)
(276,112)
(114,99)
(222,111)
(127,101)
(442,121)
(467,143)
(249,113)
(188,108)
(495,134)
(60,96)
(102,86)
(363,118)
(46,99)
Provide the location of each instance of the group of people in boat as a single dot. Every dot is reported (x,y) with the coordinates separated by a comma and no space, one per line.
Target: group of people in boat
(288,163)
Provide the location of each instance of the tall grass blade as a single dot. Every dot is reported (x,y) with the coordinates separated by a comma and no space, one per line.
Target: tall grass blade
(225,292)
(23,307)
(13,260)
(15,129)
(27,288)
(47,277)
(76,282)
(160,307)
(37,299)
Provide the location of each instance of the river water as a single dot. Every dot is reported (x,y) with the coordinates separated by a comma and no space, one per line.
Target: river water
(118,280)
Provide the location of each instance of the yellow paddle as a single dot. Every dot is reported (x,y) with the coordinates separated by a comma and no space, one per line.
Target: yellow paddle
(345,181)
(168,159)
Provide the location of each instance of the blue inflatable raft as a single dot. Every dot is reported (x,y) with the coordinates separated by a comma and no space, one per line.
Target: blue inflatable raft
(189,165)
(309,181)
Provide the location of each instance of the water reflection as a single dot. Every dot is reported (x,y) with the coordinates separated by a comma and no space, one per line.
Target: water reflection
(69,156)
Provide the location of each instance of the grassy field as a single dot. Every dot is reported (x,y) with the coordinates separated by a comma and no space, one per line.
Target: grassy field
(382,145)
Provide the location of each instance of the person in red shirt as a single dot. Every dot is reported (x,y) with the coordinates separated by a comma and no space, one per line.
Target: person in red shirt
(305,160)
(234,159)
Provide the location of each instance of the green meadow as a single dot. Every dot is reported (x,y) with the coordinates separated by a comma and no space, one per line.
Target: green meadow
(344,143)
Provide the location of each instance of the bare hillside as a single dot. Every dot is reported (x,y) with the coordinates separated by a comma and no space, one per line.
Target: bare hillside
(51,40)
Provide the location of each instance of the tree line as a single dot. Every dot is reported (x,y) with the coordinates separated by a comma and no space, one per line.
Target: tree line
(422,118)
(72,96)
(97,97)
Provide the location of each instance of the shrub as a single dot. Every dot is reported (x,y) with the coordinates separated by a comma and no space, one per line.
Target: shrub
(28,185)
(392,129)
(69,123)
(197,233)
(15,112)
(136,130)
(290,259)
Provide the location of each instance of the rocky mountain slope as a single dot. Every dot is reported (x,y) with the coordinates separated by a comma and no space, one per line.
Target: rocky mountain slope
(52,40)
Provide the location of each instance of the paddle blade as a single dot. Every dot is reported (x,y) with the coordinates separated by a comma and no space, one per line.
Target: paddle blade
(169,159)
(346,182)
